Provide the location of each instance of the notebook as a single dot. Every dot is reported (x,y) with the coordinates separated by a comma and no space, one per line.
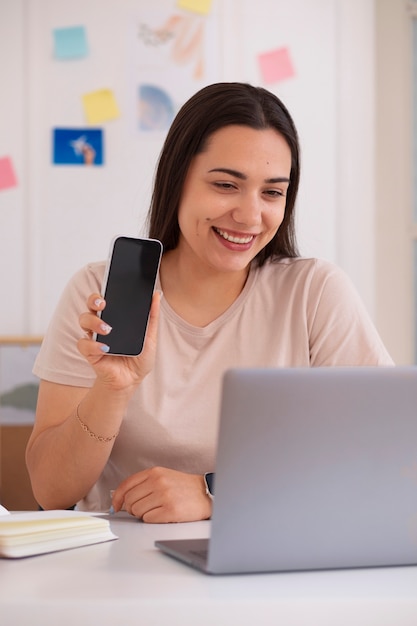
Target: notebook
(32,533)
(316,469)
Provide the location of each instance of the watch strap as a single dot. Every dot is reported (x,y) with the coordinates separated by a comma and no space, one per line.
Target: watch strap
(209,483)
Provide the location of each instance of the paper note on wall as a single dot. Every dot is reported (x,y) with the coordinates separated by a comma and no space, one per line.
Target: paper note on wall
(78,146)
(7,175)
(198,6)
(276,65)
(156,108)
(100,106)
(70,43)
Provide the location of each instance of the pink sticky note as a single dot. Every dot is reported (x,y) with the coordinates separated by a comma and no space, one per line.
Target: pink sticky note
(7,176)
(276,65)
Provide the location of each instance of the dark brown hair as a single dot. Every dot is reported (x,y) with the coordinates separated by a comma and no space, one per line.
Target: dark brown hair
(212,108)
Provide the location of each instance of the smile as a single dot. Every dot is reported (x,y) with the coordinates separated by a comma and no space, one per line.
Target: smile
(232,238)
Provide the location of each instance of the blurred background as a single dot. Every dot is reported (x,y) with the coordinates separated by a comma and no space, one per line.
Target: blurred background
(88,89)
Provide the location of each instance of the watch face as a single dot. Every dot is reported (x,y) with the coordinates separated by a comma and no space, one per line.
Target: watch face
(209,478)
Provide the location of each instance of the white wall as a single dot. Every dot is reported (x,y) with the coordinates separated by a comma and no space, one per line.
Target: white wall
(58,218)
(14,236)
(395,225)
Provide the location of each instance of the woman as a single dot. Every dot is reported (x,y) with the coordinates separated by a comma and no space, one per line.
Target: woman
(235,293)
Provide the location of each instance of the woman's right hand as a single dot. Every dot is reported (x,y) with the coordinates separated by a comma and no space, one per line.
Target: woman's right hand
(116,372)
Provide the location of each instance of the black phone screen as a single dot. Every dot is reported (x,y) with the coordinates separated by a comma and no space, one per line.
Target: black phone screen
(128,290)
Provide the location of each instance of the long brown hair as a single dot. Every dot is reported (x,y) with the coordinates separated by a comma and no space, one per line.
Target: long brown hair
(212,108)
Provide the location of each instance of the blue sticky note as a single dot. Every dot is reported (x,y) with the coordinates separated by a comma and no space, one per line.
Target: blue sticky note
(70,43)
(78,146)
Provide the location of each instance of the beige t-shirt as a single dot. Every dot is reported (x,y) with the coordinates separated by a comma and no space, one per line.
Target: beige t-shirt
(295,312)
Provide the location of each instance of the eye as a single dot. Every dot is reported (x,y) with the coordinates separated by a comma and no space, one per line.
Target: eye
(224,185)
(275,193)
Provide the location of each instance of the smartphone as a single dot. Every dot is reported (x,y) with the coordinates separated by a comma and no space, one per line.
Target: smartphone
(128,286)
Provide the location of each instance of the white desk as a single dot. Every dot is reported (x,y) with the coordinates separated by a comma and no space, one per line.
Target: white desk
(128,581)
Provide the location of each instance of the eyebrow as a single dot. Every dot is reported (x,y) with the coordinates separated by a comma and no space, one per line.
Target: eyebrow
(236,174)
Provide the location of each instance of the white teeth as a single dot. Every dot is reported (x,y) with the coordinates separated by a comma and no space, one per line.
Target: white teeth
(234,239)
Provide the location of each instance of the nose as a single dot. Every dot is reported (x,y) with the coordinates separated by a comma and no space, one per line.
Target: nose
(248,210)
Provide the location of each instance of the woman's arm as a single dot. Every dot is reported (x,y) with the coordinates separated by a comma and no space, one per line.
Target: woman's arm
(75,428)
(63,460)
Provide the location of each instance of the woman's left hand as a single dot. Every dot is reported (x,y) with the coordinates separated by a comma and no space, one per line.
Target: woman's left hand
(160,495)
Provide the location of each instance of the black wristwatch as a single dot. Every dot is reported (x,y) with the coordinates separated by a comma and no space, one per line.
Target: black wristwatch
(209,481)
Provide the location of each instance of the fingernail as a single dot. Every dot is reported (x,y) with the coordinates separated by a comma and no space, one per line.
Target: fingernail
(98,301)
(104,348)
(111,509)
(105,328)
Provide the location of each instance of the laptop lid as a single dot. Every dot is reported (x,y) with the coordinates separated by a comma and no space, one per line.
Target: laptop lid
(316,468)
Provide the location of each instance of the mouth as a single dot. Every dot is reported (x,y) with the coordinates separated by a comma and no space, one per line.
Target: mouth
(234,238)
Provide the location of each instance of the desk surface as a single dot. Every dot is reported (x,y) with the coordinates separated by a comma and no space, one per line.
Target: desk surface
(128,581)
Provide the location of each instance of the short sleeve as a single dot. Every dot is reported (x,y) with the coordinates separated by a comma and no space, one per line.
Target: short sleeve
(58,359)
(341,331)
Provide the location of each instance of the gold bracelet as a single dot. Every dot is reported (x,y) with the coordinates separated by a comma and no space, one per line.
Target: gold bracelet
(90,432)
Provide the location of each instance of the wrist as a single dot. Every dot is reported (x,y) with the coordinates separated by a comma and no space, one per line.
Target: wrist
(113,393)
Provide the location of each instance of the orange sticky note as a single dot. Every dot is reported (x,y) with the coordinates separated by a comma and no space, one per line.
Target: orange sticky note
(100,106)
(276,65)
(7,175)
(198,6)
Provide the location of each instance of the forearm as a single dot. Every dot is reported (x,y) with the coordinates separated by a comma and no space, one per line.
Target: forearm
(65,460)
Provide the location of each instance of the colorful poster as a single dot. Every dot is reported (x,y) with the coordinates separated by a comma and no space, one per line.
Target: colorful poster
(78,146)
(172,55)
(156,109)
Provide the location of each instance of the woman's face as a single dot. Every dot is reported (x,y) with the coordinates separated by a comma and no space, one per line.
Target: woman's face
(234,196)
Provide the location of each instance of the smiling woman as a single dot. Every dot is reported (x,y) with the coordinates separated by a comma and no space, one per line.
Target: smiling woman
(239,180)
(236,293)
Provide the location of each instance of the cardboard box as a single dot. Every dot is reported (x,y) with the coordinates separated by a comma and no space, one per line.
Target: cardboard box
(18,396)
(15,488)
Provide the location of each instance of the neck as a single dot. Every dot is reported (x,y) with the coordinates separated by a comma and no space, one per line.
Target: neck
(198,295)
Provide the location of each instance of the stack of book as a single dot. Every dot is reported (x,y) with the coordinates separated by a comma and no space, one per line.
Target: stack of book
(39,532)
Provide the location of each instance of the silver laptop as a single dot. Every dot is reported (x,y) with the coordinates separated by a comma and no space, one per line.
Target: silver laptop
(316,469)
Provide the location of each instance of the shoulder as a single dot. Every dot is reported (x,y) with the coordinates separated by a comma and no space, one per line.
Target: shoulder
(85,281)
(91,272)
(303,280)
(89,278)
(59,360)
(299,272)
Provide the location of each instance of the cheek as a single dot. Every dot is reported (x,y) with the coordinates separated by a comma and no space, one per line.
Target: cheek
(275,217)
(191,220)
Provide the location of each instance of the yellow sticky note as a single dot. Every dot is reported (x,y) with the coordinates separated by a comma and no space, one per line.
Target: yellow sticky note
(198,6)
(100,106)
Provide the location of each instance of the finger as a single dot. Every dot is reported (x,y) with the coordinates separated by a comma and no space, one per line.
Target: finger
(147,509)
(125,487)
(161,515)
(91,350)
(154,316)
(168,509)
(90,323)
(96,302)
(140,500)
